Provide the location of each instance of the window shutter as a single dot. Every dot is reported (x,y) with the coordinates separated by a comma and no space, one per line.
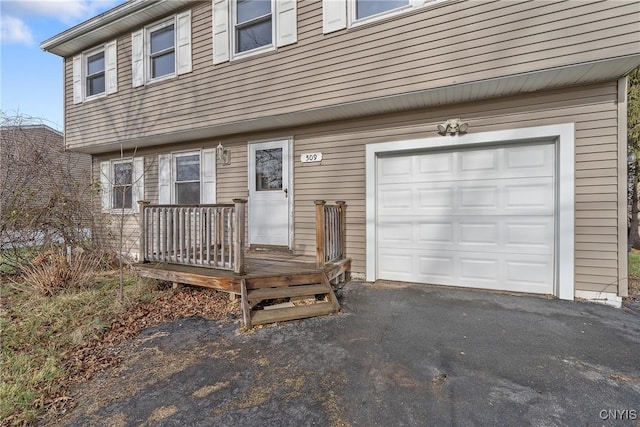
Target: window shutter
(286,22)
(220,31)
(164,179)
(334,15)
(184,42)
(105,185)
(111,66)
(137,58)
(77,79)
(137,192)
(208,163)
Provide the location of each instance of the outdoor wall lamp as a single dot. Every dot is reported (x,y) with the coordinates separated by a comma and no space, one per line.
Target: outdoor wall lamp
(223,154)
(452,127)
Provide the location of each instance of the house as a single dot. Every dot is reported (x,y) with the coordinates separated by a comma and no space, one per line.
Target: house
(475,143)
(44,190)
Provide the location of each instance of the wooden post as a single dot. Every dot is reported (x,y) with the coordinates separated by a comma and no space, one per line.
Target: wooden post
(142,204)
(240,209)
(342,209)
(319,232)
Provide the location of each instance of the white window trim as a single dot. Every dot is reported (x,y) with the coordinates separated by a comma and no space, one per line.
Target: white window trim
(174,172)
(354,22)
(182,48)
(207,181)
(257,50)
(341,14)
(147,49)
(564,135)
(85,73)
(137,184)
(80,72)
(284,28)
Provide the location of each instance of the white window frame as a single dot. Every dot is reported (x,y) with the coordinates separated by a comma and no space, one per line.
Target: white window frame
(341,14)
(147,49)
(174,173)
(85,73)
(353,21)
(167,175)
(182,48)
(107,183)
(80,72)
(284,29)
(234,39)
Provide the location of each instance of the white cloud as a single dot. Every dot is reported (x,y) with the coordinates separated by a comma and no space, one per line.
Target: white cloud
(66,11)
(14,30)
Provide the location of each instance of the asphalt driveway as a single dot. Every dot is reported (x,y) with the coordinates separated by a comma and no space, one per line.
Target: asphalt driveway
(398,355)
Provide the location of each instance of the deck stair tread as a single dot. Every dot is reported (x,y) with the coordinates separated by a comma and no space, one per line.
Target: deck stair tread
(284,292)
(259,317)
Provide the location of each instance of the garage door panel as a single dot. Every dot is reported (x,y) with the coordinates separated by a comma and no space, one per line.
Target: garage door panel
(479,218)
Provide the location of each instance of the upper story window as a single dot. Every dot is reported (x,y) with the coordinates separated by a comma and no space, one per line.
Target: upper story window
(95,80)
(95,73)
(246,27)
(253,25)
(162,50)
(122,184)
(340,14)
(367,8)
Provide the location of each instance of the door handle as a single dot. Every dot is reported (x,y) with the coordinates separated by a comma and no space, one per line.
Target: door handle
(286,193)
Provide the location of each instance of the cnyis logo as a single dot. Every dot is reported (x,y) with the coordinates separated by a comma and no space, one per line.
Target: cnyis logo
(618,414)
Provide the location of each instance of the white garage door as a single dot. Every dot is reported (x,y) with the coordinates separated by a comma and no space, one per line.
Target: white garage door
(479,218)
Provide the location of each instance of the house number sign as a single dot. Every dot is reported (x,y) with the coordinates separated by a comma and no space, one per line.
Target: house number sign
(311,157)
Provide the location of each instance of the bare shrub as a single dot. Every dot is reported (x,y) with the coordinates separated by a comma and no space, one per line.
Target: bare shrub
(52,271)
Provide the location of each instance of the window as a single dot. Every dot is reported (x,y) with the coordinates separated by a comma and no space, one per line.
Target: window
(187,179)
(253,25)
(247,27)
(95,73)
(122,184)
(340,14)
(162,50)
(366,8)
(162,54)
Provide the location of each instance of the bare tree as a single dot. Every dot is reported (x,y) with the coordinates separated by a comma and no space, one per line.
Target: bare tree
(45,192)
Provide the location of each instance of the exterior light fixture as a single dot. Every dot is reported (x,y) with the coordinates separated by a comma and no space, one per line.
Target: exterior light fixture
(453,127)
(223,154)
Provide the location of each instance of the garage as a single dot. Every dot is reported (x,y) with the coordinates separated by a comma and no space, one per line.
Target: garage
(480,216)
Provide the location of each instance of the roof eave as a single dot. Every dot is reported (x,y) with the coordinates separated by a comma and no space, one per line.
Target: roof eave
(61,45)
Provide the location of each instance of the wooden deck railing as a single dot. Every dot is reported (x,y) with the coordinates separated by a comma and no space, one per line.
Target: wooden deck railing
(200,235)
(331,239)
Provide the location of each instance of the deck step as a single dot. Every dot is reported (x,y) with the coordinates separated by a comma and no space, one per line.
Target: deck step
(288,292)
(283,280)
(260,317)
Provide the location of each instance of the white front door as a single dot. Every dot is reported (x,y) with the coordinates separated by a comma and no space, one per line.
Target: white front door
(269,199)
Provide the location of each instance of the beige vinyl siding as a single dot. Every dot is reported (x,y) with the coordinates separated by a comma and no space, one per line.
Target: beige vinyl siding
(413,51)
(341,174)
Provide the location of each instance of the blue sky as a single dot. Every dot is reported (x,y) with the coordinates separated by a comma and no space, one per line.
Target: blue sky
(30,79)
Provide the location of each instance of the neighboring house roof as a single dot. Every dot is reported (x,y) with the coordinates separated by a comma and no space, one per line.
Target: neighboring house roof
(109,24)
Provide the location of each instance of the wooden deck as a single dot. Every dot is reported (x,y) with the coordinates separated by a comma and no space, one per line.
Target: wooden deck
(269,269)
(274,287)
